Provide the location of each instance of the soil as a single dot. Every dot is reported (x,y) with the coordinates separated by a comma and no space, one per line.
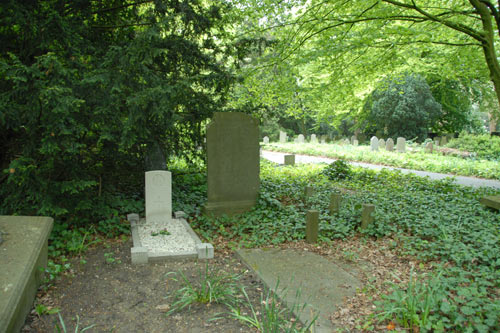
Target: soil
(116,296)
(119,297)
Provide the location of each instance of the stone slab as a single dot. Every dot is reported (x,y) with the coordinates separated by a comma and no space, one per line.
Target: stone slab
(23,258)
(320,283)
(491,201)
(142,255)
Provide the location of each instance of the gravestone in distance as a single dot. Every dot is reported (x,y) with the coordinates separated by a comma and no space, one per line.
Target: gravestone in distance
(436,142)
(429,147)
(355,143)
(158,194)
(389,145)
(312,222)
(313,138)
(401,145)
(374,143)
(282,137)
(232,163)
(323,141)
(444,141)
(353,138)
(265,140)
(300,138)
(381,143)
(296,140)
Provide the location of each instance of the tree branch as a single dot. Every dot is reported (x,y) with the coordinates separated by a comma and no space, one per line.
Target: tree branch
(428,16)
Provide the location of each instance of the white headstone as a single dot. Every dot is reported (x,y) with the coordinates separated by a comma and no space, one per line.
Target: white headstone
(296,140)
(401,145)
(300,138)
(313,138)
(353,138)
(374,143)
(265,139)
(158,194)
(355,142)
(381,143)
(389,145)
(323,141)
(282,137)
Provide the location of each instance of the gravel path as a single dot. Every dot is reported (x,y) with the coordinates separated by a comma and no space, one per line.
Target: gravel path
(467,181)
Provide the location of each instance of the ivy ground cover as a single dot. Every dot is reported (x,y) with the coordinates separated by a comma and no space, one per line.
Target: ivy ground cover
(441,224)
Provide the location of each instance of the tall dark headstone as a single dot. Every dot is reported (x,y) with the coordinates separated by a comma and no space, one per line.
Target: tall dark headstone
(232,163)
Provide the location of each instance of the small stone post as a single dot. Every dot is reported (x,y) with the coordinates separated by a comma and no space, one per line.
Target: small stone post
(312,223)
(289,159)
(308,192)
(334,206)
(366,215)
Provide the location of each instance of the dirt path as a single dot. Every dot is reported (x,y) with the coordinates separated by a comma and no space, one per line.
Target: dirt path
(115,296)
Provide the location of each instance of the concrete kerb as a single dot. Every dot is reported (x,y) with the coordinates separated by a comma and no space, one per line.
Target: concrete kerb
(140,254)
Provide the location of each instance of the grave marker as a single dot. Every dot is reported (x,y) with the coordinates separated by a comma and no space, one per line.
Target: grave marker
(289,159)
(158,194)
(355,143)
(282,137)
(366,215)
(389,145)
(232,163)
(374,143)
(381,143)
(429,147)
(265,140)
(401,145)
(312,224)
(300,138)
(313,138)
(335,199)
(353,138)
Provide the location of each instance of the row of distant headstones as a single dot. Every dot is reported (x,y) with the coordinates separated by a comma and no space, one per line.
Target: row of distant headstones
(375,143)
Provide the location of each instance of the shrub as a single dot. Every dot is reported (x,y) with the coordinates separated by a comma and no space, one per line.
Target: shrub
(339,169)
(484,146)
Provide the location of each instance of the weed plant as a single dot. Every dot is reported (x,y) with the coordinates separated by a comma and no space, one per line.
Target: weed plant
(63,329)
(272,316)
(212,286)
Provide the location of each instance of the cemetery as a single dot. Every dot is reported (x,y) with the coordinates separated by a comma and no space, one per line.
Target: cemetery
(223,166)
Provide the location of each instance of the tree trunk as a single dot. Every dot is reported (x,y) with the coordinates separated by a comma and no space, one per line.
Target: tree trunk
(488,45)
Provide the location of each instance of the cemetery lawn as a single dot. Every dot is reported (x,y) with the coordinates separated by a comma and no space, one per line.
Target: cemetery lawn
(415,158)
(431,257)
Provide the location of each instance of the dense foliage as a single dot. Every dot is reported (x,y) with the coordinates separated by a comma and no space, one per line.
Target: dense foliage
(403,107)
(89,90)
(483,146)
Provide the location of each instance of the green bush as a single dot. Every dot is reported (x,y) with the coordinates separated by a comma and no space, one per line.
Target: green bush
(483,146)
(339,169)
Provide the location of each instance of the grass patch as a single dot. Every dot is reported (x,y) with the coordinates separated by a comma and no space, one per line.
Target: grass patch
(415,159)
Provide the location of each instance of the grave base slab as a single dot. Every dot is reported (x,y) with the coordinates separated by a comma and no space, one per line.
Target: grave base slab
(301,277)
(23,258)
(142,254)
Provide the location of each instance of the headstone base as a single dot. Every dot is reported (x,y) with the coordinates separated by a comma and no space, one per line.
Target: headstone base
(228,208)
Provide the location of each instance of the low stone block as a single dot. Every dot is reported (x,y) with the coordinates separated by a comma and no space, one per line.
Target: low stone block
(312,226)
(205,251)
(133,217)
(366,215)
(335,199)
(180,215)
(289,159)
(139,255)
(492,201)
